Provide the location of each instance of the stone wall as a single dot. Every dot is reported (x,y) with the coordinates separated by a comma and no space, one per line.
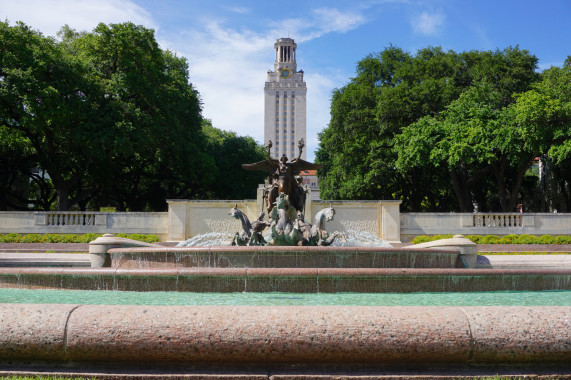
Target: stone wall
(430,223)
(188,218)
(81,222)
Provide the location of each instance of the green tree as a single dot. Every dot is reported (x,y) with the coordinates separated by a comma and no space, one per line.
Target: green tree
(230,151)
(154,146)
(110,117)
(17,163)
(46,99)
(392,91)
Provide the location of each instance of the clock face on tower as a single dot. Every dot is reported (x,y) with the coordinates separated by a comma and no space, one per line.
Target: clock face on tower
(285,73)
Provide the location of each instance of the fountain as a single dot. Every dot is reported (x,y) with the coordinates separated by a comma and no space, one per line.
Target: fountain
(297,257)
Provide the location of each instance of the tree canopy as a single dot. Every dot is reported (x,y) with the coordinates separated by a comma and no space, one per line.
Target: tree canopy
(446,131)
(103,118)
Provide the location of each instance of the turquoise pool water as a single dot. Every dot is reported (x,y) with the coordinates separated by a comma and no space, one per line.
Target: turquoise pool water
(96,297)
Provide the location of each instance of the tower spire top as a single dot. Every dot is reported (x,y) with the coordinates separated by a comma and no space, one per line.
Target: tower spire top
(285,49)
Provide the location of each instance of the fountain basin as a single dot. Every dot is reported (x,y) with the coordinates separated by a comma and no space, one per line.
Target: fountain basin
(294,280)
(282,257)
(284,337)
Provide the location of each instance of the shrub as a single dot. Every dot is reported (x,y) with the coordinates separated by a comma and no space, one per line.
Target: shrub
(140,237)
(439,237)
(52,238)
(420,239)
(493,239)
(87,238)
(152,239)
(489,239)
(527,239)
(69,238)
(32,238)
(562,239)
(546,239)
(12,238)
(474,238)
(508,239)
(523,253)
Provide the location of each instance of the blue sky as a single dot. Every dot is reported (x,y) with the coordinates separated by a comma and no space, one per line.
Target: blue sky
(229,44)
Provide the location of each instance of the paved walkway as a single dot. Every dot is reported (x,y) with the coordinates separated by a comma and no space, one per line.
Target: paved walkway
(44,247)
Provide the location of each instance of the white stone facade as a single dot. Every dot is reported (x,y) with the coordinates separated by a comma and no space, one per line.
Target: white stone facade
(285,95)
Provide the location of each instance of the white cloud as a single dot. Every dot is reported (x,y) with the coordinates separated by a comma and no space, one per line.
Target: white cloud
(49,16)
(319,88)
(228,67)
(240,10)
(428,24)
(320,22)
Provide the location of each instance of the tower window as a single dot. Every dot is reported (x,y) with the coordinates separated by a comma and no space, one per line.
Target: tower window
(277,94)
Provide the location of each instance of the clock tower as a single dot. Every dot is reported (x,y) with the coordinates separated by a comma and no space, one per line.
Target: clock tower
(284,102)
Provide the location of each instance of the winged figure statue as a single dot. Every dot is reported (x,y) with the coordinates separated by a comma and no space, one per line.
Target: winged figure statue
(282,177)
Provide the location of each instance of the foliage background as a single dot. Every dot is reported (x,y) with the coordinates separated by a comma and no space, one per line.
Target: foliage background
(448,131)
(108,119)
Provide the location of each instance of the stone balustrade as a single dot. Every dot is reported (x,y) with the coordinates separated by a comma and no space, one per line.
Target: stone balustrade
(70,218)
(81,222)
(498,220)
(432,223)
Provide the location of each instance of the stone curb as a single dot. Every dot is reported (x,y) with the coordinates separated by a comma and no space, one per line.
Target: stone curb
(324,280)
(293,335)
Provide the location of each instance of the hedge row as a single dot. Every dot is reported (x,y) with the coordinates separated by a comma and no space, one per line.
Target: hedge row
(523,253)
(69,238)
(507,239)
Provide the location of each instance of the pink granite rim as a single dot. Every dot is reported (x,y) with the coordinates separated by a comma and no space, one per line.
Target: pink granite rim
(266,335)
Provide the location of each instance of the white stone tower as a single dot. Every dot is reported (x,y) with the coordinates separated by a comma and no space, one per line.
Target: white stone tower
(284,102)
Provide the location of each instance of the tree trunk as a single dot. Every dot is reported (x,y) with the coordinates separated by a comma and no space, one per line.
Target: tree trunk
(62,199)
(461,190)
